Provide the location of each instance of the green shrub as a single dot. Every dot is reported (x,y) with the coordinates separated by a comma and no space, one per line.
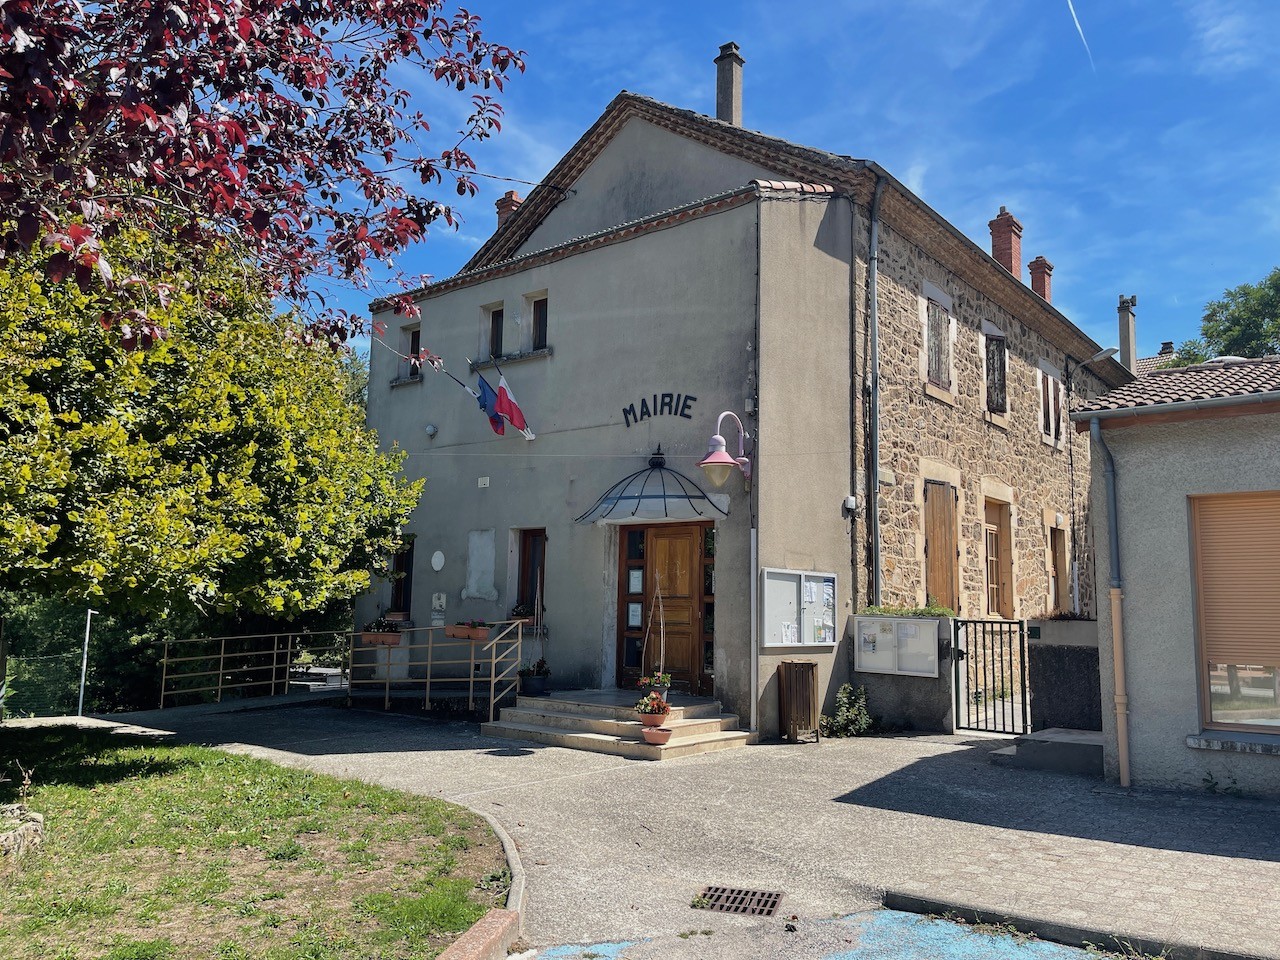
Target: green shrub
(852,718)
(934,609)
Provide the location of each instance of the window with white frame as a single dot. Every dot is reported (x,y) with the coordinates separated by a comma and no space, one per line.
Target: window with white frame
(1052,403)
(995,368)
(410,366)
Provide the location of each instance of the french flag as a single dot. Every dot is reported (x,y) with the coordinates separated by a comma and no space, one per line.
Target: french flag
(506,406)
(488,401)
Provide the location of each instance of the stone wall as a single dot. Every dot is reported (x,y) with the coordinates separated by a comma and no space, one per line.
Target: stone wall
(953,439)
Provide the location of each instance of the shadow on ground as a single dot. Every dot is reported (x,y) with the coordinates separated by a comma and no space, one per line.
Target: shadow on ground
(946,786)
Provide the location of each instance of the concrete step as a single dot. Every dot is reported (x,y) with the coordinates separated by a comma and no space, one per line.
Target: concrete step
(1057,749)
(625,711)
(616,746)
(628,729)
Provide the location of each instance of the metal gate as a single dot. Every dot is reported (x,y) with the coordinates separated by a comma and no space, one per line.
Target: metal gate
(991,676)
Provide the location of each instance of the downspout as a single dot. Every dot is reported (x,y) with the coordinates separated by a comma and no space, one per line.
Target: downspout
(1117,610)
(753,493)
(873,389)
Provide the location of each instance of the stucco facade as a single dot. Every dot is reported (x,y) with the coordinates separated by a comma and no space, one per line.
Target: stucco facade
(1158,467)
(685,256)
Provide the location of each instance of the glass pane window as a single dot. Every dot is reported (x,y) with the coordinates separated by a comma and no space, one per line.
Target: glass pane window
(540,324)
(632,648)
(709,542)
(495,332)
(1244,694)
(635,544)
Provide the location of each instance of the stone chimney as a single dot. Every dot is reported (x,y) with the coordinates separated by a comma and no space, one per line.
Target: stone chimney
(1041,270)
(1166,348)
(729,84)
(1006,242)
(507,204)
(1128,332)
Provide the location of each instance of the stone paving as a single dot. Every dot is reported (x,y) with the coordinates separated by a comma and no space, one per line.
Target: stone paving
(615,849)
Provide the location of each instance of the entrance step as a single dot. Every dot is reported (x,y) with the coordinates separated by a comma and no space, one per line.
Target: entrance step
(605,722)
(1057,749)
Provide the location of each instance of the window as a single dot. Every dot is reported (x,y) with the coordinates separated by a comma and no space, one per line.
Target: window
(539,324)
(533,554)
(997,369)
(496,316)
(1059,601)
(938,345)
(998,543)
(1236,558)
(1051,404)
(402,580)
(409,366)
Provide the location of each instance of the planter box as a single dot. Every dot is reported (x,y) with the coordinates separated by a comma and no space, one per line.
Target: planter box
(460,632)
(381,639)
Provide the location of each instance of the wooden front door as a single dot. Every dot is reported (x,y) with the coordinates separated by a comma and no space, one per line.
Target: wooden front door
(669,558)
(941,550)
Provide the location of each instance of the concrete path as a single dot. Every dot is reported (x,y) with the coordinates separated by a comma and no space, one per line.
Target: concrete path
(616,850)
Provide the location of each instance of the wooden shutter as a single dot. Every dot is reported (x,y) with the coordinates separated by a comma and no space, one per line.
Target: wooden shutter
(1237,570)
(939,345)
(940,581)
(996,397)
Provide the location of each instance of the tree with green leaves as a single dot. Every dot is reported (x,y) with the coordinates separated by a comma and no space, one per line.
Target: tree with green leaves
(1245,322)
(224,470)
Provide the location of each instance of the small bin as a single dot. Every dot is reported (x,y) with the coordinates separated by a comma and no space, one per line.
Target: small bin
(798,690)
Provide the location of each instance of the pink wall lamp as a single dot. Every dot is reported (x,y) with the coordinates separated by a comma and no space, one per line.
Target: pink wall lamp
(718,464)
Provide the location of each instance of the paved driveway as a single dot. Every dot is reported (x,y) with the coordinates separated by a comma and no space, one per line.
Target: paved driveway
(616,849)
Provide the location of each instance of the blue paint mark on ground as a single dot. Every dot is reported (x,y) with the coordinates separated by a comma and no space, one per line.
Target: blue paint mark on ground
(893,935)
(606,951)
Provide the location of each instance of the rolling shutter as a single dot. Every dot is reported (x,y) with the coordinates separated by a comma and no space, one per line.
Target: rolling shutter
(1237,560)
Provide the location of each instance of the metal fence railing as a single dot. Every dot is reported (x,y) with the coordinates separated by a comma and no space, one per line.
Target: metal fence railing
(40,686)
(205,669)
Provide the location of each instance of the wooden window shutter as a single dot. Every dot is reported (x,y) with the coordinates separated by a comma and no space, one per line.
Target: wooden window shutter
(997,401)
(1237,573)
(939,345)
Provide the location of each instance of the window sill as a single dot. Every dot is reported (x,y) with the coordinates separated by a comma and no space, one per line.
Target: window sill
(939,393)
(1050,442)
(1236,742)
(1000,420)
(404,381)
(513,358)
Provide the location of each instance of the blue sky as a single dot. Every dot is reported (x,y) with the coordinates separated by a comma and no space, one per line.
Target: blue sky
(1152,168)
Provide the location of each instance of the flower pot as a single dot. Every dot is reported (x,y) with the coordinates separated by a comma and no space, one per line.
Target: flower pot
(478,633)
(654,719)
(457,632)
(662,692)
(532,686)
(378,638)
(656,735)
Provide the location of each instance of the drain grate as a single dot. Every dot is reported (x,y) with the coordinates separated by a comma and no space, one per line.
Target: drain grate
(754,903)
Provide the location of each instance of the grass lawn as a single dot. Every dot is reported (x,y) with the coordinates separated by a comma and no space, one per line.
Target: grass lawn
(155,851)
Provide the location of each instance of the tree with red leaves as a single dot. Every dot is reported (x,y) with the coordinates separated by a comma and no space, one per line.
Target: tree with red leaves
(277,129)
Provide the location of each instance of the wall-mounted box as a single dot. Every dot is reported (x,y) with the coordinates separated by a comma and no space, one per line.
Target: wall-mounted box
(901,645)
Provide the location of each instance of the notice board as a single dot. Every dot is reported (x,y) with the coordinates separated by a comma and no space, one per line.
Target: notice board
(906,645)
(799,608)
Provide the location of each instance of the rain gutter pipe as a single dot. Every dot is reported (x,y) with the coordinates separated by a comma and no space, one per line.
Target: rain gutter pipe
(753,491)
(873,389)
(1117,608)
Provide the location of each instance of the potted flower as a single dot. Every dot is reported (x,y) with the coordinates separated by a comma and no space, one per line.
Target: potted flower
(523,613)
(533,679)
(659,683)
(468,630)
(653,710)
(382,632)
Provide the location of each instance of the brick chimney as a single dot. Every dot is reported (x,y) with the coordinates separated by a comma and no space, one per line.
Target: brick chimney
(1128,332)
(507,204)
(729,84)
(1006,241)
(1041,270)
(1166,349)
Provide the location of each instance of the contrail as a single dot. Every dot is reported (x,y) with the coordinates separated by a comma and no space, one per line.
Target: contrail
(1080,30)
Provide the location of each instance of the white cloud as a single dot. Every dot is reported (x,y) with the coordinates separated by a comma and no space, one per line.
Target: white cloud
(1230,36)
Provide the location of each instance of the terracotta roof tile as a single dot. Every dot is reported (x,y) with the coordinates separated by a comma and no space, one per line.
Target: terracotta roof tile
(1217,379)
